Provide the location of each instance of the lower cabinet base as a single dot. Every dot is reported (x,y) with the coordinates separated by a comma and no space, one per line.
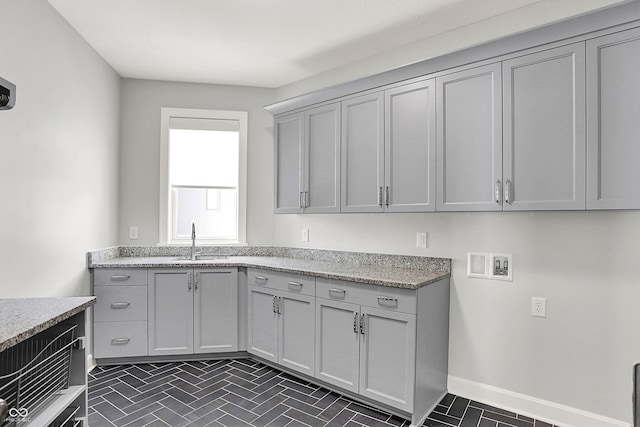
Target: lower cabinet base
(417,419)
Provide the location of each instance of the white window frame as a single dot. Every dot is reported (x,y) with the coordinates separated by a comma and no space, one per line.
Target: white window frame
(165,209)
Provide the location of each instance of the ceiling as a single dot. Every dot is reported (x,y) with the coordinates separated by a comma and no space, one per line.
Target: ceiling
(266,43)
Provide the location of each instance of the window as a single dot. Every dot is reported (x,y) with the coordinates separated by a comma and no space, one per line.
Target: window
(203,176)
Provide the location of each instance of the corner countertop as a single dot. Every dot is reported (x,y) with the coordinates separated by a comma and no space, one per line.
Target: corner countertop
(409,272)
(22,318)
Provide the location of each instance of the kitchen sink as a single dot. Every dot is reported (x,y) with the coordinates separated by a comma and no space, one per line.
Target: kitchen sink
(201,258)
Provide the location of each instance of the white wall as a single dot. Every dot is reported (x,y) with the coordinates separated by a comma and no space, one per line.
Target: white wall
(584,263)
(140,152)
(58,154)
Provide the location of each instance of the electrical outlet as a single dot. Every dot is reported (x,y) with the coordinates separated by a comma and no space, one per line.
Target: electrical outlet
(133,232)
(538,307)
(421,240)
(305,234)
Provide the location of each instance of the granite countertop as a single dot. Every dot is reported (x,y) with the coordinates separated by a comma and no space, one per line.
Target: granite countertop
(409,272)
(22,318)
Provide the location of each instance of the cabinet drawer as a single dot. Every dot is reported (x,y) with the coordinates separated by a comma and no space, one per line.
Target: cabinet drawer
(385,297)
(120,276)
(119,339)
(296,283)
(120,303)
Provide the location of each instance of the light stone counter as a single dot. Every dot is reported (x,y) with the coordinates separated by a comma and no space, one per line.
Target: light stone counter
(410,272)
(22,318)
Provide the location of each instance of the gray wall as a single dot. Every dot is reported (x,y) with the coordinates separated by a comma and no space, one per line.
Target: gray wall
(584,263)
(58,154)
(140,152)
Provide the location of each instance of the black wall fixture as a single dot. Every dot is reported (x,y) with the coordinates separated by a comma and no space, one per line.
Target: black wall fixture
(7,94)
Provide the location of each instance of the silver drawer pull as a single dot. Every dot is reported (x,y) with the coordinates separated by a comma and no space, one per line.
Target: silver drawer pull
(120,277)
(383,299)
(261,279)
(120,341)
(342,292)
(295,285)
(118,305)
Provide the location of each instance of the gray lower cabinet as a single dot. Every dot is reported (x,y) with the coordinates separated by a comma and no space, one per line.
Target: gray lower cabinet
(469,140)
(120,313)
(613,128)
(192,311)
(281,310)
(373,341)
(308,161)
(544,142)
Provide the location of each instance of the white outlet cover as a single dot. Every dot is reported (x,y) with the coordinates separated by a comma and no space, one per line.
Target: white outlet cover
(501,267)
(538,307)
(478,265)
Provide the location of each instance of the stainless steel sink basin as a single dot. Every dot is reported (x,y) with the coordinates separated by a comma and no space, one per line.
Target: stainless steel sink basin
(201,258)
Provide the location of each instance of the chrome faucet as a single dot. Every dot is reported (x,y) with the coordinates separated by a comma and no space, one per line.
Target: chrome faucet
(193,241)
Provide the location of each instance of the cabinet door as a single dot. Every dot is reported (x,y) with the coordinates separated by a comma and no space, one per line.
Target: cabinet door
(215,310)
(296,327)
(262,335)
(613,67)
(387,357)
(469,140)
(322,159)
(544,130)
(288,131)
(362,153)
(410,148)
(170,311)
(337,343)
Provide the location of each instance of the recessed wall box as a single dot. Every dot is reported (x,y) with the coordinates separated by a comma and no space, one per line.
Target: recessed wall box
(7,94)
(477,265)
(501,267)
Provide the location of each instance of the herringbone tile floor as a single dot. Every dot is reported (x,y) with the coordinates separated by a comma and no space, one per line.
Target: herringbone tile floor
(248,393)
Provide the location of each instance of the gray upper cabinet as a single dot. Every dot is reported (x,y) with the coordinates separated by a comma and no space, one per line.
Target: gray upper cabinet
(410,148)
(308,161)
(321,175)
(363,153)
(469,140)
(544,130)
(613,109)
(289,157)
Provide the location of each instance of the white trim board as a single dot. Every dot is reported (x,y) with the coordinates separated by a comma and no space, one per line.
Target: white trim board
(539,409)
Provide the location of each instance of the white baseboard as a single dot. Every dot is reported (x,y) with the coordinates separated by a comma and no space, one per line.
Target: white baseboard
(91,363)
(542,410)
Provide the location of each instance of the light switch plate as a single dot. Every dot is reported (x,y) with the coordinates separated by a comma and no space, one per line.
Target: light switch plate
(133,232)
(305,234)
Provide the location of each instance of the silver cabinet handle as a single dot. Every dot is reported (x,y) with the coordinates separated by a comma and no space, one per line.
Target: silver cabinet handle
(305,199)
(296,285)
(382,299)
(195,282)
(279,305)
(386,196)
(118,305)
(189,281)
(261,279)
(274,304)
(120,277)
(355,322)
(342,292)
(120,341)
(380,196)
(362,324)
(300,204)
(498,191)
(507,191)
